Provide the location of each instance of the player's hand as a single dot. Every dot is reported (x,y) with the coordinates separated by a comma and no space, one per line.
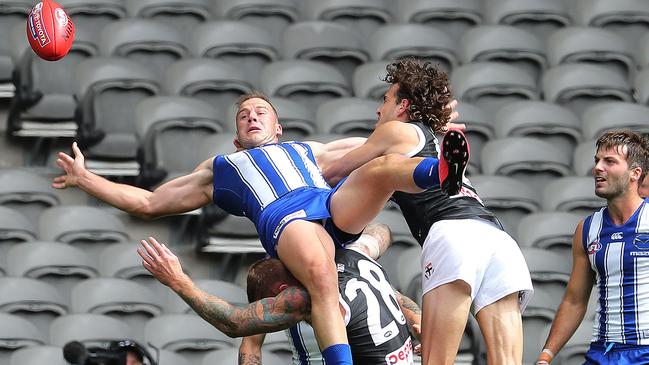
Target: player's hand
(74,168)
(453,117)
(162,263)
(417,350)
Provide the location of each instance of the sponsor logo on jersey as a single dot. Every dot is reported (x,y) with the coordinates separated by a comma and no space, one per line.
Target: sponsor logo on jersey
(36,27)
(299,214)
(641,241)
(428,271)
(340,267)
(593,247)
(402,355)
(61,17)
(616,236)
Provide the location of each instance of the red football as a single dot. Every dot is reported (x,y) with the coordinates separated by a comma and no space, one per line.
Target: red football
(50,30)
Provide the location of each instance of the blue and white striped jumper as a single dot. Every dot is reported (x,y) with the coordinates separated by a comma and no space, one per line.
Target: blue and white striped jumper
(619,255)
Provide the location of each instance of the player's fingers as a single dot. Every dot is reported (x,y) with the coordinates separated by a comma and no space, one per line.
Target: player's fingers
(157,246)
(452,104)
(145,257)
(65,158)
(149,250)
(77,151)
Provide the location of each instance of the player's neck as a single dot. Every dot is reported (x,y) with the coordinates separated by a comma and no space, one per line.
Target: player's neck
(621,208)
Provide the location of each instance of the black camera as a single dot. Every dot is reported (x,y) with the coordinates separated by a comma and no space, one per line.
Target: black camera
(115,354)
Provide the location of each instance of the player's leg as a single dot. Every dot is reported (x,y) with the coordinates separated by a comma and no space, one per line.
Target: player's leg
(308,252)
(502,328)
(445,311)
(362,196)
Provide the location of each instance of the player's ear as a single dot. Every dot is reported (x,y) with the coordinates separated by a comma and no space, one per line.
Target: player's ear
(237,144)
(283,287)
(278,129)
(635,174)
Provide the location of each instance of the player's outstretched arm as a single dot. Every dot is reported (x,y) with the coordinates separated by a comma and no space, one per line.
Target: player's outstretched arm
(266,315)
(250,350)
(180,195)
(575,301)
(412,312)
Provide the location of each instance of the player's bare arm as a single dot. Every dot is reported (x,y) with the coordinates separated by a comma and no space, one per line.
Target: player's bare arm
(180,195)
(267,315)
(250,350)
(325,153)
(411,311)
(575,300)
(389,137)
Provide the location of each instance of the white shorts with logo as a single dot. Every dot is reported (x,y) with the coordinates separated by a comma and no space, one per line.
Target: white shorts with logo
(478,253)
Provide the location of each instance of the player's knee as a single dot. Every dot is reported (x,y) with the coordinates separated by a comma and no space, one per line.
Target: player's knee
(323,280)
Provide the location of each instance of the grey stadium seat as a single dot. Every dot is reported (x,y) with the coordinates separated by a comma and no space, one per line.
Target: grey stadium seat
(249,47)
(572,194)
(308,82)
(44,104)
(16,333)
(184,15)
(407,278)
(507,197)
(26,192)
(272,15)
(583,158)
(491,85)
(231,356)
(122,261)
(108,90)
(642,57)
(298,121)
(170,357)
(641,85)
(213,81)
(89,329)
(504,43)
(546,121)
(92,16)
(229,292)
(79,225)
(628,18)
(364,16)
(541,17)
(327,42)
(186,334)
(33,300)
(368,80)
(37,355)
(550,273)
(14,229)
(591,45)
(530,160)
(479,130)
(130,302)
(549,230)
(348,116)
(452,16)
(56,263)
(155,45)
(394,41)
(578,86)
(12,13)
(398,226)
(278,343)
(606,116)
(165,125)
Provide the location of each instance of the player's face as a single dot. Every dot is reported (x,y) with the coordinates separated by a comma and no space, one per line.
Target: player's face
(131,359)
(390,109)
(611,172)
(257,123)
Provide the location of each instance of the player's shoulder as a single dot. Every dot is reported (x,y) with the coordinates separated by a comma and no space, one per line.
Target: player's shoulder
(396,132)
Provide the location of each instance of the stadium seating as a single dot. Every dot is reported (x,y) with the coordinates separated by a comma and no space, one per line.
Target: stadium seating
(537,317)
(26,192)
(364,16)
(37,355)
(310,83)
(121,260)
(542,120)
(572,194)
(248,47)
(16,333)
(574,350)
(165,126)
(14,228)
(628,18)
(583,158)
(507,44)
(368,80)
(606,116)
(89,329)
(641,85)
(479,129)
(331,43)
(92,16)
(551,231)
(541,17)
(348,116)
(229,292)
(184,15)
(394,41)
(452,16)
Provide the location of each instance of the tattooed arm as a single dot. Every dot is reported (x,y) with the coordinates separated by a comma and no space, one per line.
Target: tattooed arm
(267,315)
(411,311)
(250,350)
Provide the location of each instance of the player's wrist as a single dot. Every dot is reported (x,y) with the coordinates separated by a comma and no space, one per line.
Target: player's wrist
(545,357)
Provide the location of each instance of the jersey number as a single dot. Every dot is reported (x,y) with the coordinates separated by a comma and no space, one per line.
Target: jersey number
(373,275)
